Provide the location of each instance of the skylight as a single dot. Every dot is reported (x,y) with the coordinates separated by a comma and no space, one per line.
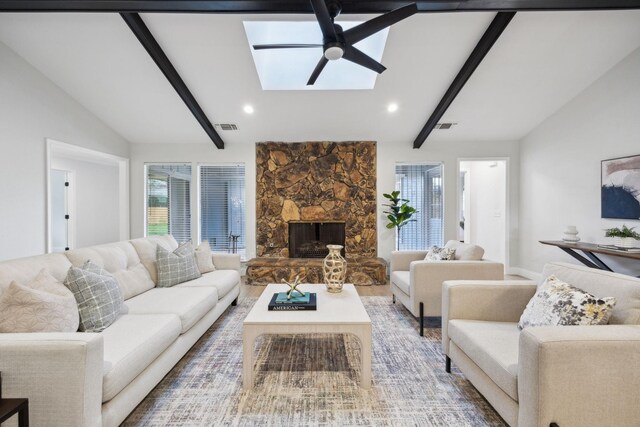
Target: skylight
(289,69)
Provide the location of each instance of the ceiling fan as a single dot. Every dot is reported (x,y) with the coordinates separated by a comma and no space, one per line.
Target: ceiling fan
(339,44)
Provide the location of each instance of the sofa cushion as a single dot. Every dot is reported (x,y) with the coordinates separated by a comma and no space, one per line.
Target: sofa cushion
(402,279)
(122,261)
(223,280)
(131,343)
(42,305)
(98,296)
(189,304)
(465,251)
(601,284)
(146,247)
(24,270)
(557,303)
(493,346)
(176,267)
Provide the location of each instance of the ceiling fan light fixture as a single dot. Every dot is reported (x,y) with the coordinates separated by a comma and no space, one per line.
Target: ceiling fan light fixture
(333,53)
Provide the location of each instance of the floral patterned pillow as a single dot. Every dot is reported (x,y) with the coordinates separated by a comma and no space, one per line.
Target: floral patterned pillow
(557,303)
(440,254)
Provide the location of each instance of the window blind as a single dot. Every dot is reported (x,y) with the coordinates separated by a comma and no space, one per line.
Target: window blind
(169,200)
(422,185)
(222,207)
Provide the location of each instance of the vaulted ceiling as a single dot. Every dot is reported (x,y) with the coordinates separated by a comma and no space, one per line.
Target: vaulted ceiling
(541,61)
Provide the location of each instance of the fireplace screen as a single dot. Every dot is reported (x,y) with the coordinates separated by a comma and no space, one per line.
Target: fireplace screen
(310,239)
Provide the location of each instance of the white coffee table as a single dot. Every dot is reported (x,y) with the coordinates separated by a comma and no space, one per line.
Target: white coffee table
(339,313)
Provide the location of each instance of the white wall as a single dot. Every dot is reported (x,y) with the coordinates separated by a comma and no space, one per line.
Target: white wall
(97,201)
(486,218)
(193,153)
(448,153)
(560,164)
(32,108)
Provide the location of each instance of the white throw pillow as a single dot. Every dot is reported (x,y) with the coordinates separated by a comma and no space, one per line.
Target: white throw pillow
(203,258)
(557,303)
(43,305)
(440,254)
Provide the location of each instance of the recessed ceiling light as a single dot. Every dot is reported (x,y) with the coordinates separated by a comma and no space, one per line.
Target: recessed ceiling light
(392,107)
(248,109)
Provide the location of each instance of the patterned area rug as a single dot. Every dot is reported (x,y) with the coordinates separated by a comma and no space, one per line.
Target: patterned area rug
(313,380)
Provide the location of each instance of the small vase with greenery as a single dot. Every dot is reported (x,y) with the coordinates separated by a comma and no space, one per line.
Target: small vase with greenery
(624,237)
(399,213)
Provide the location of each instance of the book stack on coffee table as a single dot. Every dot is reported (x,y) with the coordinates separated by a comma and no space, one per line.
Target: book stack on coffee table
(281,302)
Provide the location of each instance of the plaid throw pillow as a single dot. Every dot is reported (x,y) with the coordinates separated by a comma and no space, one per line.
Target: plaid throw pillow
(98,296)
(177,266)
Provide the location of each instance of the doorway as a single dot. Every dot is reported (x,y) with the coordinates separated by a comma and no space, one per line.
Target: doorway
(87,197)
(482,206)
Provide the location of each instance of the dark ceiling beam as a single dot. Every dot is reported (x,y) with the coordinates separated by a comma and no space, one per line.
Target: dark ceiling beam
(489,37)
(145,37)
(304,6)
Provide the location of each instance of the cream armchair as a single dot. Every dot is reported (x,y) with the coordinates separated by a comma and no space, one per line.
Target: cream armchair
(564,375)
(417,283)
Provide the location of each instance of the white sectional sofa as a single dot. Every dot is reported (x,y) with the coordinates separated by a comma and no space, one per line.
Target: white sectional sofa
(97,379)
(569,375)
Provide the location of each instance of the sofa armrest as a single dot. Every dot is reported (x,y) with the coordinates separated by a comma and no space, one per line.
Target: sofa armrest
(491,300)
(60,374)
(224,261)
(579,375)
(427,278)
(400,260)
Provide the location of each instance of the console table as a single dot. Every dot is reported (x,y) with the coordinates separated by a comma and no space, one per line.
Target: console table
(590,259)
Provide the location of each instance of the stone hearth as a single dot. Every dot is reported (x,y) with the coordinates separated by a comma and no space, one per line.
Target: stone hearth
(362,271)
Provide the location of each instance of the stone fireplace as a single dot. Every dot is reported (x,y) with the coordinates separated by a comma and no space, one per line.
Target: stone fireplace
(315,189)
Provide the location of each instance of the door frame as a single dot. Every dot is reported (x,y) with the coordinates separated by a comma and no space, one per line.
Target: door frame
(507,190)
(54,147)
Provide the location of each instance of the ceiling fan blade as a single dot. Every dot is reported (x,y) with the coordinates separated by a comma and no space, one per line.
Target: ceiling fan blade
(316,71)
(364,30)
(324,20)
(357,56)
(284,46)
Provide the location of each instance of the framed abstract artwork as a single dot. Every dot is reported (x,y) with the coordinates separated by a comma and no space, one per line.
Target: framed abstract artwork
(620,188)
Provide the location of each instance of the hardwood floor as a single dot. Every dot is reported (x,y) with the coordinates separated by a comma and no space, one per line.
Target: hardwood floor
(385,290)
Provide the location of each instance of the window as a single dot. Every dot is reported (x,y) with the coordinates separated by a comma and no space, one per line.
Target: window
(422,185)
(222,208)
(169,200)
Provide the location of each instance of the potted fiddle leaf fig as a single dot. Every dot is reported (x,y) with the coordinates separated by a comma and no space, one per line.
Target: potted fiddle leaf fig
(399,213)
(624,237)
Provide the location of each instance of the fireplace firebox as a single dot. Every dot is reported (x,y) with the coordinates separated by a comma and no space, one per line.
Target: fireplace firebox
(310,239)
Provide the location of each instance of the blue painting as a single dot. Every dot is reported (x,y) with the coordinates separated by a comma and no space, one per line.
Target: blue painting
(620,192)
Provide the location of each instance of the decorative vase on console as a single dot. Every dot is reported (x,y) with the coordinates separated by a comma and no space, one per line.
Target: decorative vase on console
(571,234)
(334,268)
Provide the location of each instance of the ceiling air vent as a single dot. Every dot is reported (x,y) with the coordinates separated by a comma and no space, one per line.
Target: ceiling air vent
(226,126)
(445,126)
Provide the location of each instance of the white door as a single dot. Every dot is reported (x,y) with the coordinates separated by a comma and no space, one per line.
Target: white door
(483,206)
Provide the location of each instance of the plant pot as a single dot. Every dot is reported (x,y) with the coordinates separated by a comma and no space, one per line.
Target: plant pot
(625,242)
